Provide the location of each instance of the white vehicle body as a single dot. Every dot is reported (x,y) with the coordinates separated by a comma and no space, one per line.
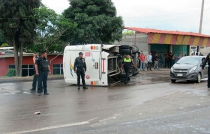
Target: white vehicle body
(102,63)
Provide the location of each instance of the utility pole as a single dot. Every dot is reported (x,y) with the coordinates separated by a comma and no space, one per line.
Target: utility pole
(201,22)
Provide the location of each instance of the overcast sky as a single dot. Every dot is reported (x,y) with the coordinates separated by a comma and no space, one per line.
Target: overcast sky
(180,15)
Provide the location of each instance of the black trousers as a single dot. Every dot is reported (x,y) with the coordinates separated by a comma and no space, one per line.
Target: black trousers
(42,80)
(149,66)
(34,82)
(127,76)
(82,74)
(167,64)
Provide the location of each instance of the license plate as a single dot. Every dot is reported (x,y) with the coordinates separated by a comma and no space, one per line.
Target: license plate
(179,74)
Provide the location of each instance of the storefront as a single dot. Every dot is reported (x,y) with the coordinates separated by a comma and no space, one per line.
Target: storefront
(165,41)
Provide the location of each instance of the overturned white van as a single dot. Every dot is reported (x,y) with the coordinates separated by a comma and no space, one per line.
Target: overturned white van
(103,63)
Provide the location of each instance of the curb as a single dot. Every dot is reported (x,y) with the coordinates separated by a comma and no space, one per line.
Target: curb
(25,79)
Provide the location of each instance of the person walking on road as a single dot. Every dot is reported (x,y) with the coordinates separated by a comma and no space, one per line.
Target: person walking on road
(127,64)
(42,70)
(204,64)
(34,83)
(142,59)
(80,68)
(149,60)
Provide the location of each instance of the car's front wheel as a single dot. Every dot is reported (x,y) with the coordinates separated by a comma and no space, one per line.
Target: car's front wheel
(173,81)
(199,78)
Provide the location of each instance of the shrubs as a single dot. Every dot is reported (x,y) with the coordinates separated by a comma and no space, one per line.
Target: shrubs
(11,72)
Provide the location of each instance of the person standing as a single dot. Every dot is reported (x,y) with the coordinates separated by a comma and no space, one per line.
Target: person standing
(166,60)
(162,59)
(204,64)
(179,57)
(127,64)
(149,60)
(173,59)
(34,83)
(156,62)
(142,59)
(80,69)
(170,60)
(42,70)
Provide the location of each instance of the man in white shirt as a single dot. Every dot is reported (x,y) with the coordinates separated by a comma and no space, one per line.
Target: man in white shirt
(149,60)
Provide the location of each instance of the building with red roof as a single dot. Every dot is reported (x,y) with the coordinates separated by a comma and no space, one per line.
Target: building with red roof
(176,42)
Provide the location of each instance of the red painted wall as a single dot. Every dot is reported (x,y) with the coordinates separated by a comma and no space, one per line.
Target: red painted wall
(5,62)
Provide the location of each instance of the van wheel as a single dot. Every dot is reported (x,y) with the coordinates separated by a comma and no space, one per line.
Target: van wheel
(198,78)
(173,81)
(125,47)
(135,49)
(135,71)
(125,51)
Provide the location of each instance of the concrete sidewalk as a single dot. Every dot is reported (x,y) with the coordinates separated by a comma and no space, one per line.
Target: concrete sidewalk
(162,71)
(28,78)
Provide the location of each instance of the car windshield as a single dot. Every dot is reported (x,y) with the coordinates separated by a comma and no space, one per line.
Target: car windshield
(189,60)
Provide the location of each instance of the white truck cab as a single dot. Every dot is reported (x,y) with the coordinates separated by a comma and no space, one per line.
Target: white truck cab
(102,63)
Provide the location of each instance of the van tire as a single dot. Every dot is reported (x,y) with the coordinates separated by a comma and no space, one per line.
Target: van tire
(135,49)
(125,51)
(125,47)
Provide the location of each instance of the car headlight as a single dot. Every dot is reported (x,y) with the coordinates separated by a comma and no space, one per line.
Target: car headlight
(172,69)
(193,69)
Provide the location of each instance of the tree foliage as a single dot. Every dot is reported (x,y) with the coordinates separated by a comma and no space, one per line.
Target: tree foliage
(18,26)
(97,22)
(50,28)
(2,38)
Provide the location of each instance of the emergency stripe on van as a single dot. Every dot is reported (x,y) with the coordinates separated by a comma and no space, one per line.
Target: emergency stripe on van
(103,65)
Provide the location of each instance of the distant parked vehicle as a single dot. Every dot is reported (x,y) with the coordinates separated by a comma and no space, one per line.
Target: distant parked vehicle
(6,50)
(189,69)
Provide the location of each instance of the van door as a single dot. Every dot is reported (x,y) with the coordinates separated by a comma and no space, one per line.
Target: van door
(92,75)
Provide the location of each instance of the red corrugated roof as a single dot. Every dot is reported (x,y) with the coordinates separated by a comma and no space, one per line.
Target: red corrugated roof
(147,30)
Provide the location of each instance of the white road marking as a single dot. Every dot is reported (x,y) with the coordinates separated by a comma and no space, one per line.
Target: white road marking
(52,127)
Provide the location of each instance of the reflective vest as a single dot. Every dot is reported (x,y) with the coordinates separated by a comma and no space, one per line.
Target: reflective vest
(127,60)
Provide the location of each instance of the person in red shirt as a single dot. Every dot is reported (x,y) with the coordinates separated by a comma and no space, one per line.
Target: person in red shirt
(142,59)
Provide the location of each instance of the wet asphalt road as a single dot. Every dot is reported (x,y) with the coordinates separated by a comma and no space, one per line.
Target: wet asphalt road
(149,104)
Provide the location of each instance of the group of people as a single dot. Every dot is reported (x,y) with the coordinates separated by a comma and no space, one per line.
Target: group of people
(41,72)
(157,60)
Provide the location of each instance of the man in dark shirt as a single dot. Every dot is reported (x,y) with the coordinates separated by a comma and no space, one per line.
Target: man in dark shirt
(80,68)
(42,70)
(204,64)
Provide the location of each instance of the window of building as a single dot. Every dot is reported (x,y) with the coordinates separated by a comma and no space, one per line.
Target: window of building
(27,70)
(11,66)
(58,69)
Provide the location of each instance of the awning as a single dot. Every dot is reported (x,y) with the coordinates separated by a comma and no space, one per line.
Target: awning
(178,39)
(173,37)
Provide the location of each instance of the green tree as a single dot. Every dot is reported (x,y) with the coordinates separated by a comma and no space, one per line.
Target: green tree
(2,39)
(97,22)
(18,26)
(50,28)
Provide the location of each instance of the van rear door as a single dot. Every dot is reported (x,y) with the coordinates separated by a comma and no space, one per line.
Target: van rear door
(92,59)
